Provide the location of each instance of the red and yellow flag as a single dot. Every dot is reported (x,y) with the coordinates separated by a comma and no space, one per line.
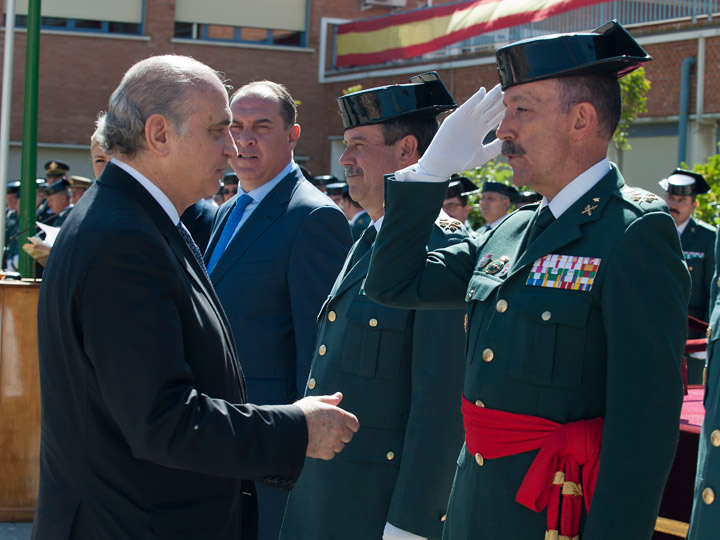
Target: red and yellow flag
(414,33)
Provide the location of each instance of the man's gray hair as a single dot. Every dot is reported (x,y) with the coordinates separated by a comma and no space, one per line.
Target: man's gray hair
(156,85)
(97,137)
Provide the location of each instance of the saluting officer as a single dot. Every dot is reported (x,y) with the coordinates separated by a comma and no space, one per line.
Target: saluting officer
(400,371)
(560,438)
(698,242)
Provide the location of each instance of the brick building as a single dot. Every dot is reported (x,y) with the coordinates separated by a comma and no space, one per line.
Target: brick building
(291,41)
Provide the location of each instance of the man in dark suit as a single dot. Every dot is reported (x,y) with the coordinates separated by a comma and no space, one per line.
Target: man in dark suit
(198,219)
(400,370)
(556,424)
(275,250)
(146,433)
(698,242)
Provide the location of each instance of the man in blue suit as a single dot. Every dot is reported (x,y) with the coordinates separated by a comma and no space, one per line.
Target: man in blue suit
(274,252)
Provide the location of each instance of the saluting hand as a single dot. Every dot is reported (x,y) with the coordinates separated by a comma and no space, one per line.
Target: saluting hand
(458,144)
(329,426)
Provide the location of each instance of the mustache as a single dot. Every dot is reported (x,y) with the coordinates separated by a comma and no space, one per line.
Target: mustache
(673,211)
(352,171)
(511,148)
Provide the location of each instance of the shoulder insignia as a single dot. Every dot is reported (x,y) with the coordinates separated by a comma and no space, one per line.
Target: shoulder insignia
(643,197)
(448,224)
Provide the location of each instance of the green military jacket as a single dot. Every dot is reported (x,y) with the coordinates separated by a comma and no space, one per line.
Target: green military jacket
(401,372)
(606,342)
(705,520)
(698,241)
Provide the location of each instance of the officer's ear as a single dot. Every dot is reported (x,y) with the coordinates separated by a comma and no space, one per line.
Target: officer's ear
(408,150)
(585,119)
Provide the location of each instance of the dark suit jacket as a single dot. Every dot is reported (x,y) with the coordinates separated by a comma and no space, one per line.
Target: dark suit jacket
(198,219)
(272,280)
(145,433)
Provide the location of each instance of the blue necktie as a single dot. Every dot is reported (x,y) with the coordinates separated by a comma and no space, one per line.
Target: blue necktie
(230,225)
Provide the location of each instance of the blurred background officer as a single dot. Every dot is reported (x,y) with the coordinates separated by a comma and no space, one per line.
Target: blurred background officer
(495,203)
(58,198)
(98,157)
(705,520)
(356,214)
(229,186)
(399,370)
(43,214)
(322,181)
(559,417)
(698,240)
(456,199)
(275,249)
(335,190)
(78,186)
(12,222)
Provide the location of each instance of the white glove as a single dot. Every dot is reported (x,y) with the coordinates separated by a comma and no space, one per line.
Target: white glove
(391,532)
(457,146)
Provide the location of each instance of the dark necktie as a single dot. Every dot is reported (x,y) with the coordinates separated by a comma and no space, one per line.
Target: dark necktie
(543,220)
(192,245)
(363,245)
(231,224)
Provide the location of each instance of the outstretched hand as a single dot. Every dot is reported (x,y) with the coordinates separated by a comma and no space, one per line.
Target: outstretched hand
(329,426)
(458,144)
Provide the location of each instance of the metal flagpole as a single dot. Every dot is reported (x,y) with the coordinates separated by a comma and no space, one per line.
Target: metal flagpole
(6,106)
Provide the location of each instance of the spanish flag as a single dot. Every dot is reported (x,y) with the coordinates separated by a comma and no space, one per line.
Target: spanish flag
(418,32)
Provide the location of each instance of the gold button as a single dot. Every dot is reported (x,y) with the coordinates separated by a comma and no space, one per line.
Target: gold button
(719,282)
(480,460)
(473,290)
(690,268)
(715,438)
(708,496)
(373,322)
(390,455)
(331,316)
(501,306)
(312,383)
(322,350)
(443,518)
(479,403)
(709,331)
(488,355)
(546,316)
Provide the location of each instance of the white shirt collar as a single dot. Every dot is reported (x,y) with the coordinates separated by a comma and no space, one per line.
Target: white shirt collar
(259,193)
(681,228)
(157,194)
(577,188)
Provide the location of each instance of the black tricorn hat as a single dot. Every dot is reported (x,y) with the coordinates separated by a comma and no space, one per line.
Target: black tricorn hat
(13,187)
(499,187)
(56,168)
(608,50)
(425,97)
(684,182)
(460,186)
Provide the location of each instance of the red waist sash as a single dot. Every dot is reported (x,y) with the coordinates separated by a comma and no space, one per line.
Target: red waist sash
(554,478)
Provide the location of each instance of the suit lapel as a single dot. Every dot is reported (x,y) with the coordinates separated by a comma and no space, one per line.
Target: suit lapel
(355,274)
(267,212)
(117,178)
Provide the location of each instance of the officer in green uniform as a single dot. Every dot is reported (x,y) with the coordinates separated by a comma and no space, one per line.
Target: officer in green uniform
(698,241)
(705,520)
(400,371)
(456,204)
(561,440)
(12,224)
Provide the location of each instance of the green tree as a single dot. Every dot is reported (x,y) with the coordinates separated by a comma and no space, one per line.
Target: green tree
(707,209)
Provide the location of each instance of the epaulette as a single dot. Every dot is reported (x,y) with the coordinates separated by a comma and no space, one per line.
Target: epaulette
(448,224)
(641,199)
